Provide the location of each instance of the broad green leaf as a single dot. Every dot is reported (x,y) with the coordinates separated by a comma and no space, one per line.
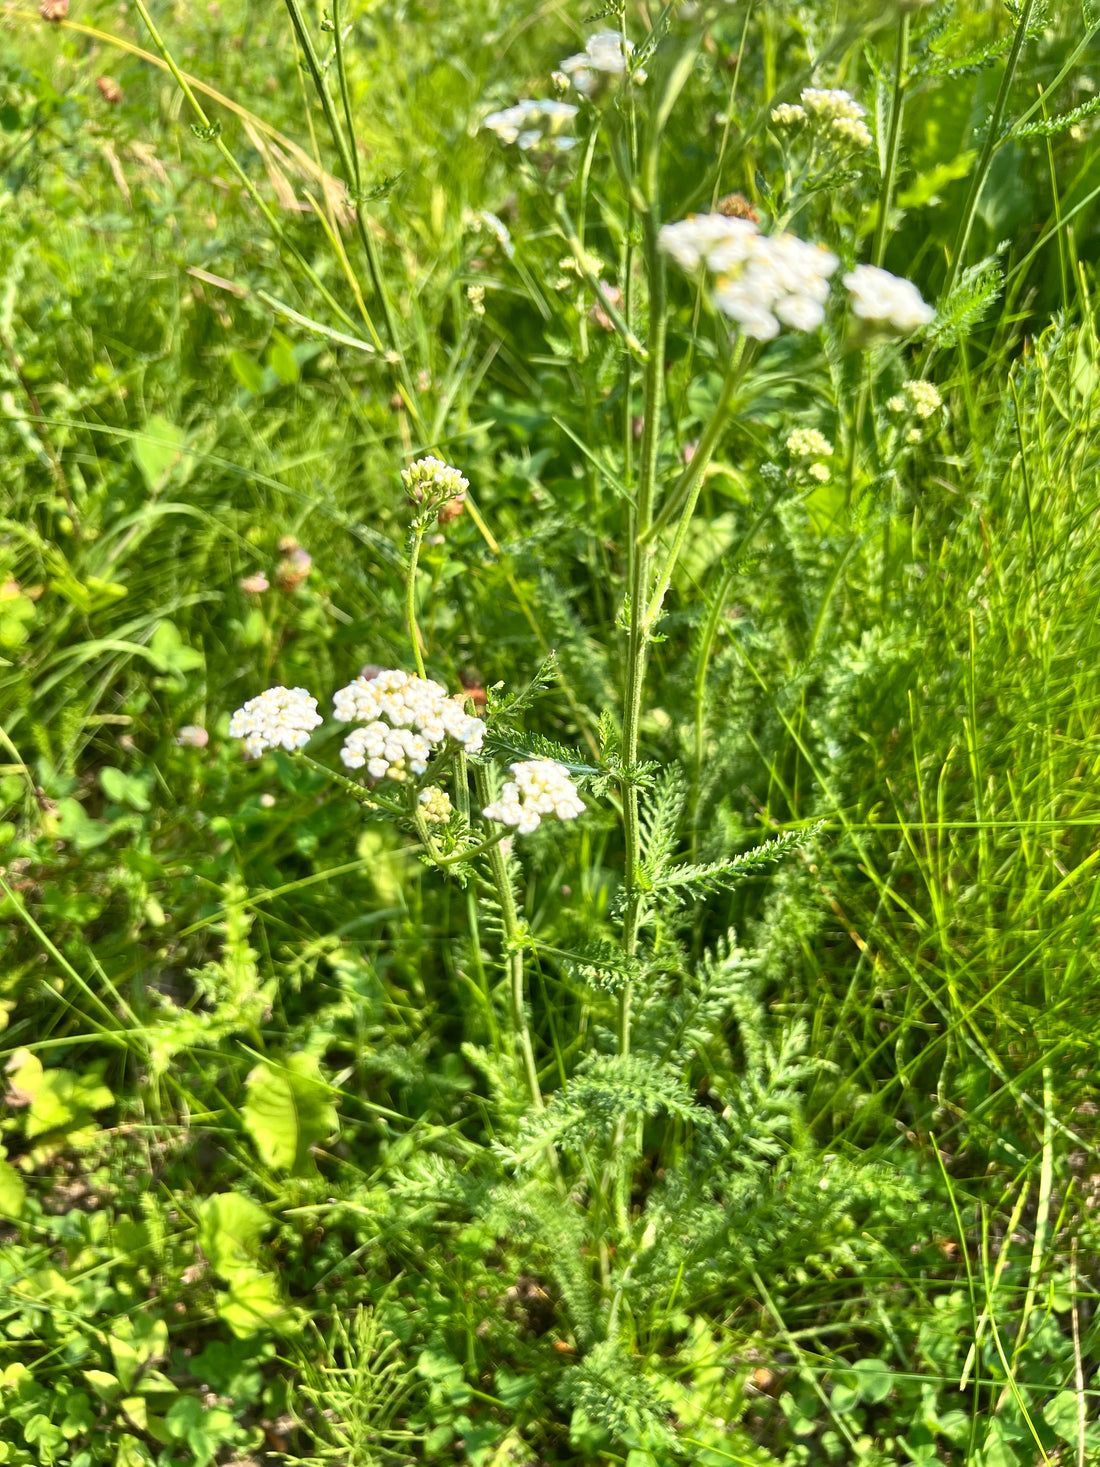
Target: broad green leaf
(131,1453)
(76,825)
(874,1380)
(57,1100)
(230,1228)
(126,789)
(248,373)
(16,611)
(170,653)
(13,1193)
(280,358)
(254,1302)
(288,1108)
(106,1386)
(157,450)
(1061,1415)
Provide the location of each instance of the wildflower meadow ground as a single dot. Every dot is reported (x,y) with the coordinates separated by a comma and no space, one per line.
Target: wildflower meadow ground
(549,698)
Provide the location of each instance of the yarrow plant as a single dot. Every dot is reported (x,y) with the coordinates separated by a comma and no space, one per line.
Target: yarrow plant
(922,399)
(281,718)
(605,58)
(538,788)
(530,124)
(761,282)
(887,303)
(832,117)
(476,797)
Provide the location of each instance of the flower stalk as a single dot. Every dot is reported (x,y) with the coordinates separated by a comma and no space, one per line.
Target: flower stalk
(513,948)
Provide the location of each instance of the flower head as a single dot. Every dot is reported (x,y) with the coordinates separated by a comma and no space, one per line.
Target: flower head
(836,117)
(393,700)
(607,55)
(808,443)
(761,282)
(281,718)
(436,805)
(254,585)
(192,736)
(529,123)
(429,482)
(887,302)
(789,114)
(538,788)
(388,753)
(920,398)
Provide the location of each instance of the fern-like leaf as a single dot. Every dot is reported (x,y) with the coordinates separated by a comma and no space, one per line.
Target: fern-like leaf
(660,822)
(970,298)
(693,880)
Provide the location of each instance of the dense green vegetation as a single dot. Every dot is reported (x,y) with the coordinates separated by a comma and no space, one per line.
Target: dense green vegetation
(708,1151)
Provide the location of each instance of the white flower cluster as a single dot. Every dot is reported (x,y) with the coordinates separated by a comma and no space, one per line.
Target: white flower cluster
(538,787)
(281,718)
(808,443)
(762,282)
(607,54)
(388,753)
(921,398)
(437,805)
(886,301)
(530,123)
(394,703)
(834,116)
(430,481)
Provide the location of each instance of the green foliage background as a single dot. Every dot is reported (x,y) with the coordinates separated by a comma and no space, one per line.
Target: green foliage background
(270,1191)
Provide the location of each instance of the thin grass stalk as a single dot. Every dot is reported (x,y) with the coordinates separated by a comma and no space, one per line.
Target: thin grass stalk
(345,146)
(893,141)
(270,218)
(992,139)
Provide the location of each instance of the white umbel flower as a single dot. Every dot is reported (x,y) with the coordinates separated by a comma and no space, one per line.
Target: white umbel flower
(436,805)
(403,701)
(789,114)
(886,301)
(837,116)
(761,282)
(281,718)
(429,481)
(833,116)
(538,788)
(606,55)
(921,398)
(808,443)
(388,753)
(529,123)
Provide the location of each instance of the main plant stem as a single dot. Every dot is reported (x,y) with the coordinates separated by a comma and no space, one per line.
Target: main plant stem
(639,578)
(416,537)
(513,950)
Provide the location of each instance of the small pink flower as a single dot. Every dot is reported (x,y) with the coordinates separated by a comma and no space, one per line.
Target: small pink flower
(191,736)
(254,585)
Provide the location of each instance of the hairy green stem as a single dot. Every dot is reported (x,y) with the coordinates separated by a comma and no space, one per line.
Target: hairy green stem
(513,949)
(893,140)
(416,537)
(639,576)
(349,786)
